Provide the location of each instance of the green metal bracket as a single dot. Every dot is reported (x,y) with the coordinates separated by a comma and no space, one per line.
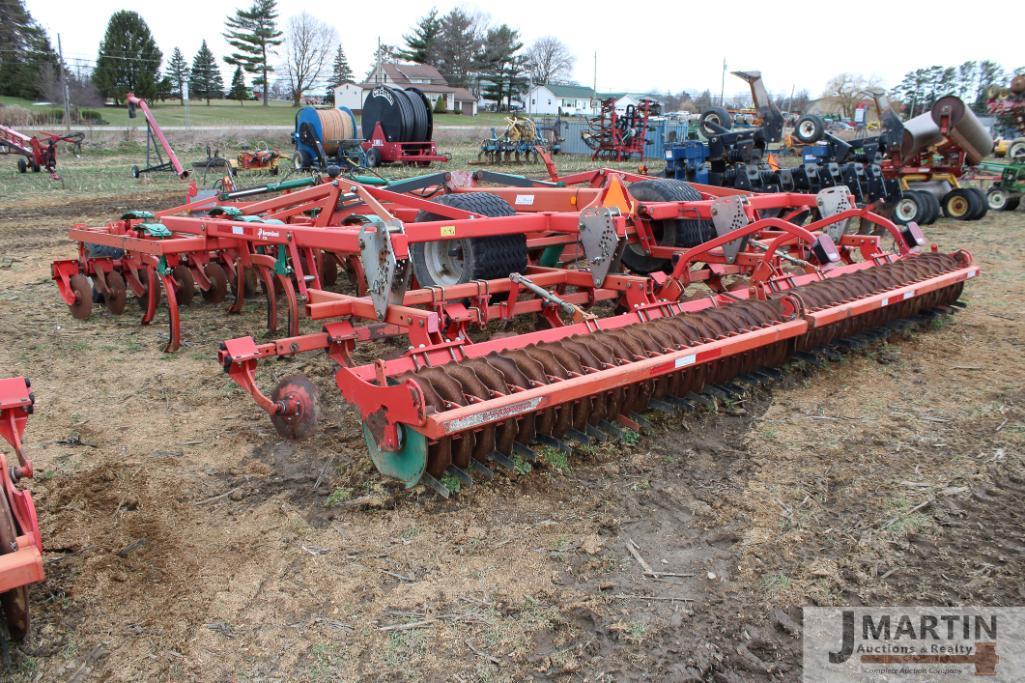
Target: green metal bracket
(550,256)
(281,266)
(406,464)
(162,267)
(230,211)
(158,230)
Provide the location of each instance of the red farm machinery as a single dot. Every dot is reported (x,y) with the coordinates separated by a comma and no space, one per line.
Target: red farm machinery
(646,292)
(21,547)
(160,157)
(616,136)
(39,152)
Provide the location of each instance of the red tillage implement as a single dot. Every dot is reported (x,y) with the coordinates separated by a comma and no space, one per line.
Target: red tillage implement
(21,547)
(37,152)
(756,289)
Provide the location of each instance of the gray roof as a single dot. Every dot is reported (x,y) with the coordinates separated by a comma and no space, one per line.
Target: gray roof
(577,91)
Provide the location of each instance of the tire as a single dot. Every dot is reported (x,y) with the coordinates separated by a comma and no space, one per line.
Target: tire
(35,167)
(715,115)
(373,157)
(22,165)
(981,204)
(135,171)
(670,232)
(450,262)
(910,208)
(997,199)
(1012,203)
(810,129)
(1016,150)
(932,205)
(960,204)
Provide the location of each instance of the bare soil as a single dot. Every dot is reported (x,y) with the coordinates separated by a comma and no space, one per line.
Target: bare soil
(186,541)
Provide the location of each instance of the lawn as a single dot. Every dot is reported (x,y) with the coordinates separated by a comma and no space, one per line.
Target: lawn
(229,112)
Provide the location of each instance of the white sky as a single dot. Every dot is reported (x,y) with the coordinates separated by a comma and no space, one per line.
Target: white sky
(665,45)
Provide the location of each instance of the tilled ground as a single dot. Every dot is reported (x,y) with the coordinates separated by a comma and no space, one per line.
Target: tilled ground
(185,541)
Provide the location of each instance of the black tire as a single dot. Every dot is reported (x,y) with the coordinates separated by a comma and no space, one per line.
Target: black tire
(479,258)
(809,129)
(960,204)
(22,165)
(982,204)
(715,115)
(299,161)
(1013,202)
(135,171)
(911,207)
(997,199)
(670,232)
(932,205)
(373,157)
(35,167)
(1016,151)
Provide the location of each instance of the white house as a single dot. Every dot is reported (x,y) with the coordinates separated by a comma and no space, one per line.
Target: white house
(569,100)
(425,78)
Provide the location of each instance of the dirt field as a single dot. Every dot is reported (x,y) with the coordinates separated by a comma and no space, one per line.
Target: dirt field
(186,541)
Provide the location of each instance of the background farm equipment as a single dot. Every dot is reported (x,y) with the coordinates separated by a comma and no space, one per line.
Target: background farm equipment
(451,409)
(157,145)
(397,127)
(619,137)
(37,152)
(1004,184)
(738,157)
(21,546)
(263,158)
(517,144)
(1008,106)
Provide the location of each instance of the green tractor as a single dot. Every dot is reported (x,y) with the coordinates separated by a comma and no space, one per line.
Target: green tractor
(1005,194)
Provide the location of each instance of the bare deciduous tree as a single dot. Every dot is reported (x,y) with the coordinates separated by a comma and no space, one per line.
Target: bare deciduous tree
(549,60)
(309,44)
(846,89)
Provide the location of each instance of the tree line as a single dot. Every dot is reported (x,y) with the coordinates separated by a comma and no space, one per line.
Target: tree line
(920,88)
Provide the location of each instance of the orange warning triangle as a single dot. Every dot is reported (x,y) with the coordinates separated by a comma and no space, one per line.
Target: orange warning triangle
(616,196)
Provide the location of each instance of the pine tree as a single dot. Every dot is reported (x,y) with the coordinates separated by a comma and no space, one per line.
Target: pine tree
(129,59)
(459,47)
(238,91)
(503,66)
(422,46)
(340,73)
(25,52)
(178,72)
(254,35)
(205,81)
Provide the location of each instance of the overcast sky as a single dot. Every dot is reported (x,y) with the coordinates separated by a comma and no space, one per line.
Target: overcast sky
(663,46)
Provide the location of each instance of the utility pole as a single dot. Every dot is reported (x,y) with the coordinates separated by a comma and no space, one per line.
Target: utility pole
(790,102)
(594,85)
(64,82)
(722,87)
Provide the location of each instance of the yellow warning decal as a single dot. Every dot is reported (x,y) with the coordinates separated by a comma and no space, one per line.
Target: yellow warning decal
(448,231)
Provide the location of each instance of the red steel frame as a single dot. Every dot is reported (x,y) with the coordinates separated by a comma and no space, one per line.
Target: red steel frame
(23,565)
(154,130)
(32,147)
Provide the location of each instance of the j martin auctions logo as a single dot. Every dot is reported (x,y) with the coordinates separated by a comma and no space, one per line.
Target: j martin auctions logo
(913,644)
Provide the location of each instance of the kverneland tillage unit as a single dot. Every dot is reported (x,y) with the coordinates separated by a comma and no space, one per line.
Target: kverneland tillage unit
(37,152)
(747,294)
(21,546)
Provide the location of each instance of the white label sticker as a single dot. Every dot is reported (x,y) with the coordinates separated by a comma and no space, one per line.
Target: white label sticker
(908,295)
(237,230)
(971,274)
(524,200)
(886,302)
(492,415)
(686,360)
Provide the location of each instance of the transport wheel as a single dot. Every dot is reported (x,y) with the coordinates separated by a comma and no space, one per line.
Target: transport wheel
(298,389)
(997,199)
(932,204)
(117,294)
(451,262)
(135,171)
(186,284)
(909,208)
(959,204)
(1016,151)
(22,165)
(83,305)
(218,283)
(809,129)
(1012,202)
(35,167)
(15,601)
(669,232)
(373,157)
(982,206)
(716,115)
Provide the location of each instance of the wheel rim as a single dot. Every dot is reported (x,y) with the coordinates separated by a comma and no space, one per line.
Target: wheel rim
(958,207)
(445,261)
(906,209)
(996,199)
(806,129)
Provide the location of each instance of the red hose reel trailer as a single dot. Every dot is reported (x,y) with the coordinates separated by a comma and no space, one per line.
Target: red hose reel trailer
(21,547)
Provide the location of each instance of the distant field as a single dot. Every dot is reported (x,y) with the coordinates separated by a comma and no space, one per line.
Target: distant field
(224,112)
